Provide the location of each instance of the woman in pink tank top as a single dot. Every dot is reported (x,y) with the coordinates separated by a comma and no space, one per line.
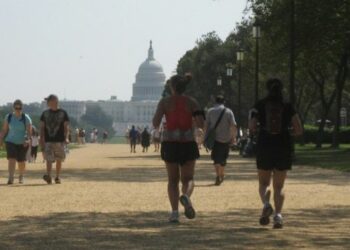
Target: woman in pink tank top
(179,149)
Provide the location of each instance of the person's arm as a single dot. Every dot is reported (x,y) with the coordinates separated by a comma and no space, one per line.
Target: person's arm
(4,131)
(66,131)
(233,131)
(297,127)
(198,114)
(66,127)
(158,116)
(233,128)
(253,121)
(42,134)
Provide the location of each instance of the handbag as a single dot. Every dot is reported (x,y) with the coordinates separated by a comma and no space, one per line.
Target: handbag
(211,135)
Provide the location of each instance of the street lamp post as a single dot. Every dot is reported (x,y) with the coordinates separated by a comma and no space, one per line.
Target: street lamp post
(256,36)
(219,81)
(240,57)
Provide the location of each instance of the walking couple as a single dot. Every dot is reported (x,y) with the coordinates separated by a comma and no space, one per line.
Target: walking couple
(17,135)
(271,118)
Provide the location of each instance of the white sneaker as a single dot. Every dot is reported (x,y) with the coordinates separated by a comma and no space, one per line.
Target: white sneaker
(277,222)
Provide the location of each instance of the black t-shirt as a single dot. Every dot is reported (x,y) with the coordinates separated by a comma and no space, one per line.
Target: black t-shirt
(282,139)
(54,124)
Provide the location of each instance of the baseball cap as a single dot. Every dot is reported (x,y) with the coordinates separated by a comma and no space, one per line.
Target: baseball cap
(51,97)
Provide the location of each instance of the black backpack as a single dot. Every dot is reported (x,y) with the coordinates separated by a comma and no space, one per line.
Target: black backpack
(274,117)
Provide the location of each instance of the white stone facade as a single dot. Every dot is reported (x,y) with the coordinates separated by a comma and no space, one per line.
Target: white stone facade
(147,91)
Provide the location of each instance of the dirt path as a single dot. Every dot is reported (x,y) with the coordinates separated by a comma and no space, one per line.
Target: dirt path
(110,199)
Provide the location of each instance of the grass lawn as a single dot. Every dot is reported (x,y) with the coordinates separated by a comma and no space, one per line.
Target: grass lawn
(326,157)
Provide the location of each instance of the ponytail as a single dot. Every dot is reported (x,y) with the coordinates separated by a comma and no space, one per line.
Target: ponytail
(179,83)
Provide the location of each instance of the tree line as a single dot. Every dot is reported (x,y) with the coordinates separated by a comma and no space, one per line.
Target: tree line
(321,46)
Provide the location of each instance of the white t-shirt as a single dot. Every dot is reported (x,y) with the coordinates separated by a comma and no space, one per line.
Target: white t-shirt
(35,141)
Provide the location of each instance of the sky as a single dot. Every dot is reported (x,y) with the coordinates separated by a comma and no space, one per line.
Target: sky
(91,49)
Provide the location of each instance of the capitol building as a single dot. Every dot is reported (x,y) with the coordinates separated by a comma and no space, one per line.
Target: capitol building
(147,91)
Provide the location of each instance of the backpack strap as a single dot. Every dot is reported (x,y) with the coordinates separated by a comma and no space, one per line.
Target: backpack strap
(9,118)
(220,118)
(23,119)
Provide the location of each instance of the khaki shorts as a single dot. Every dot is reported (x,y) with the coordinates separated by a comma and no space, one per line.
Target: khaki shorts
(54,151)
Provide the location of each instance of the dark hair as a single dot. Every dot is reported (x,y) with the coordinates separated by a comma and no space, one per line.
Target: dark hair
(18,102)
(275,87)
(179,83)
(220,99)
(51,97)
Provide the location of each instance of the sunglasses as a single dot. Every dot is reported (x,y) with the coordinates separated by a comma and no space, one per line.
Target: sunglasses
(18,108)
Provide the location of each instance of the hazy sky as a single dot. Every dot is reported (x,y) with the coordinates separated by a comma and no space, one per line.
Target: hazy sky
(91,49)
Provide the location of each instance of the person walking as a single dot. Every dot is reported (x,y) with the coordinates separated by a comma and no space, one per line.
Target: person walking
(104,137)
(16,128)
(145,140)
(54,135)
(179,149)
(275,122)
(222,120)
(35,145)
(133,137)
(156,139)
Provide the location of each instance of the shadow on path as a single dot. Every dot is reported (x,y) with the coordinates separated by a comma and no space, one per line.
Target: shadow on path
(150,230)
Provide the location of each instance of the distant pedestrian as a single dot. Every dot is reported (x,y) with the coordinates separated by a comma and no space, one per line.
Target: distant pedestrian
(16,131)
(54,136)
(275,121)
(156,139)
(133,137)
(145,140)
(179,149)
(35,145)
(221,120)
(104,137)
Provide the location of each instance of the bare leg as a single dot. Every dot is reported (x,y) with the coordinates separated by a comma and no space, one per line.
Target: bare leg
(48,168)
(220,171)
(264,183)
(11,169)
(187,173)
(58,168)
(279,178)
(173,185)
(21,167)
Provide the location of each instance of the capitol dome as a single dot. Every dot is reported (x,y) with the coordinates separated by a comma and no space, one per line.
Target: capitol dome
(150,79)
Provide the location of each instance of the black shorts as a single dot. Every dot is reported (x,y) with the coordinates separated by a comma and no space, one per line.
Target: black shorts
(179,152)
(220,153)
(16,151)
(274,159)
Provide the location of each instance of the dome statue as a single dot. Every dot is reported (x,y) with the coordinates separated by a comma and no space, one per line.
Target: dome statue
(150,79)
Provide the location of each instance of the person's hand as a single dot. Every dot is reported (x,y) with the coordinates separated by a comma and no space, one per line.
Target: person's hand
(233,141)
(67,141)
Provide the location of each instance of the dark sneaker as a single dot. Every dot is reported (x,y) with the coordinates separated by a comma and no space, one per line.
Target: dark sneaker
(277,222)
(190,213)
(217,181)
(21,179)
(265,215)
(174,217)
(48,179)
(10,182)
(57,180)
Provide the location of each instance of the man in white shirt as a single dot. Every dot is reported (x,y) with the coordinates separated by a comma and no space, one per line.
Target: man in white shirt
(226,133)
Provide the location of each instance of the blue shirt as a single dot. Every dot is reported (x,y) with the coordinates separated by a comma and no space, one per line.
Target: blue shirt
(17,131)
